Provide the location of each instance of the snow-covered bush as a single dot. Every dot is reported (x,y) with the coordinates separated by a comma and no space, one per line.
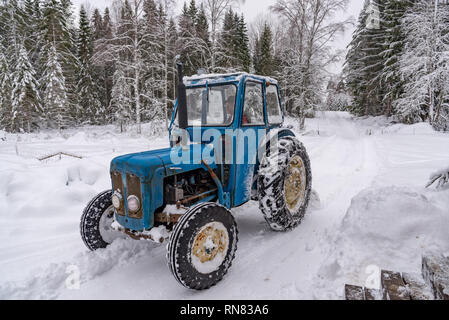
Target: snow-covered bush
(441,178)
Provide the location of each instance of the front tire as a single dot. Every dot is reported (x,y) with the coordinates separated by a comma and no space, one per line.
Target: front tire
(95,225)
(202,246)
(284,184)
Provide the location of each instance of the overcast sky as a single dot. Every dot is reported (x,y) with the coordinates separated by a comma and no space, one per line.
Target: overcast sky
(252,9)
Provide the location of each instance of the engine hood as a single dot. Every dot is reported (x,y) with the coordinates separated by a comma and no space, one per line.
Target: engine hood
(144,164)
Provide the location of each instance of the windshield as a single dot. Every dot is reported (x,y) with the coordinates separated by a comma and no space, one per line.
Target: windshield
(211,106)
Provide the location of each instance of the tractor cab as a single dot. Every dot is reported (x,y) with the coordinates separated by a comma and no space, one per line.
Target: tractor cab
(234,112)
(237,100)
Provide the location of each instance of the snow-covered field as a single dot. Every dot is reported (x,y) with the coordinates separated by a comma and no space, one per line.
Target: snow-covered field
(374,213)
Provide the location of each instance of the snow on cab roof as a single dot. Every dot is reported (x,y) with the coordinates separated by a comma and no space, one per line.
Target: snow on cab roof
(223,77)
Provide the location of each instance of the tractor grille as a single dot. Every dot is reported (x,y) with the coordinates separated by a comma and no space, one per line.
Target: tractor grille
(133,188)
(117,185)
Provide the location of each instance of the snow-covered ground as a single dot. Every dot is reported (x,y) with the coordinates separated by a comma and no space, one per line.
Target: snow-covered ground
(374,213)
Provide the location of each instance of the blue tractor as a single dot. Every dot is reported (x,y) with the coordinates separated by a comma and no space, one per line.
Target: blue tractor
(228,147)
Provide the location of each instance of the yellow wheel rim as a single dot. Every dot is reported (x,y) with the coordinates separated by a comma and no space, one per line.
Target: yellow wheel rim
(210,247)
(295,184)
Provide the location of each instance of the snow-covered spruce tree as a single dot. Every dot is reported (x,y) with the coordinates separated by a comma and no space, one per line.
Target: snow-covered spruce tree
(186,26)
(12,28)
(89,105)
(393,47)
(97,68)
(32,35)
(372,63)
(202,25)
(57,30)
(372,59)
(354,69)
(193,39)
(97,24)
(54,90)
(424,63)
(263,62)
(225,61)
(233,44)
(3,20)
(26,109)
(5,91)
(244,54)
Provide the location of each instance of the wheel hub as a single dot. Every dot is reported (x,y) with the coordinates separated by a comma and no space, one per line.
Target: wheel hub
(105,227)
(210,246)
(295,184)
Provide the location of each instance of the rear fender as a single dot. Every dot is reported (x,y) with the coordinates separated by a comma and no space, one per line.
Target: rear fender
(272,136)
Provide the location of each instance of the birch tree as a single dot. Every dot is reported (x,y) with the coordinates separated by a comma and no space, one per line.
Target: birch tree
(121,99)
(215,10)
(128,49)
(310,29)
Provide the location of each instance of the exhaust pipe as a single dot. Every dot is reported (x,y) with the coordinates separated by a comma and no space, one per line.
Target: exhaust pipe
(182,99)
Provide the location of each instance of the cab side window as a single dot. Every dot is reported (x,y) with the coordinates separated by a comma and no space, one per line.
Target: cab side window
(273,105)
(253,109)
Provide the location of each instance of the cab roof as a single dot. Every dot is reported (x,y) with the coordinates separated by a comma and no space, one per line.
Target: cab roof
(216,78)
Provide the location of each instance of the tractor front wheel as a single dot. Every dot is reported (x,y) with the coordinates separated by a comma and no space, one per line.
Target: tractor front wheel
(202,246)
(96,222)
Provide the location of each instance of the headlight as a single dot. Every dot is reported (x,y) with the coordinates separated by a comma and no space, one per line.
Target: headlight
(117,200)
(133,204)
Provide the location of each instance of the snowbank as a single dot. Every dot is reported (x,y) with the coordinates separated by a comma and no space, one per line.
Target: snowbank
(422,128)
(391,219)
(48,283)
(389,228)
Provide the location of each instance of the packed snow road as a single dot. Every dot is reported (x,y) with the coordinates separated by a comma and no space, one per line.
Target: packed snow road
(373,211)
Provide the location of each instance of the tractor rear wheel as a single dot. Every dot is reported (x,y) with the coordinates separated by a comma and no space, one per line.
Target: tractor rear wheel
(284,184)
(202,246)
